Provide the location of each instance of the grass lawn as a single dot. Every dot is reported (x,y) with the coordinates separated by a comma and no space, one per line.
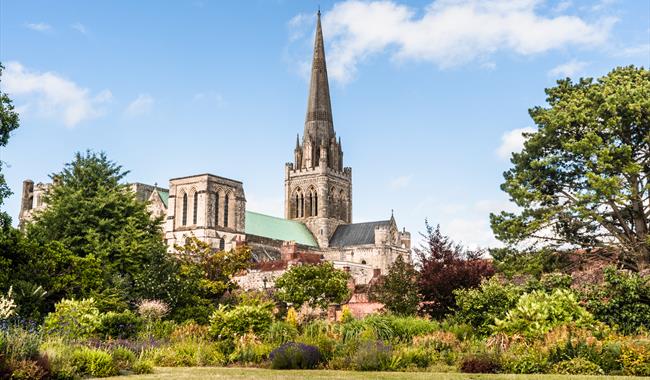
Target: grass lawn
(196,373)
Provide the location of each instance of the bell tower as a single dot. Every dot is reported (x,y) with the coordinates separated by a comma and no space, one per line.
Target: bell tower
(318,189)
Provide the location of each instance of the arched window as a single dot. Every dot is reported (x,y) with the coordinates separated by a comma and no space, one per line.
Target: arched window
(226,203)
(184,213)
(195,207)
(302,206)
(315,213)
(363,262)
(222,243)
(310,204)
(216,209)
(297,207)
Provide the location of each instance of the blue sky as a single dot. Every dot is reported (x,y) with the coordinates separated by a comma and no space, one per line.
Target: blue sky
(429,97)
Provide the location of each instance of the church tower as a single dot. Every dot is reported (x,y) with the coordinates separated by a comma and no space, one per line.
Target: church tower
(318,189)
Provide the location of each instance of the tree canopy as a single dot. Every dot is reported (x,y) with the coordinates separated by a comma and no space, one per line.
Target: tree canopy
(316,285)
(582,180)
(398,290)
(8,122)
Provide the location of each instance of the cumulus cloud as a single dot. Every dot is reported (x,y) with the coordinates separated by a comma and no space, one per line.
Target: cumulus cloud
(449,32)
(53,96)
(512,141)
(568,69)
(400,182)
(39,26)
(140,106)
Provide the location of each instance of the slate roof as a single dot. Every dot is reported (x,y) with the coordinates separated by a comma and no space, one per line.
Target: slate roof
(278,229)
(356,234)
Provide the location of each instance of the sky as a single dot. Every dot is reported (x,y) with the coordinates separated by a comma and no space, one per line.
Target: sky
(430,98)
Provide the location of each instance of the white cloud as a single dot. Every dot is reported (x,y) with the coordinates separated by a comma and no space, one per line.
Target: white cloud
(512,141)
(449,32)
(79,27)
(400,182)
(53,96)
(210,97)
(641,50)
(39,26)
(568,69)
(140,106)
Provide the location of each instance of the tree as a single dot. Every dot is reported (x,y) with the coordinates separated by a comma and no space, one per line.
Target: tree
(8,122)
(314,284)
(582,180)
(95,236)
(444,267)
(398,290)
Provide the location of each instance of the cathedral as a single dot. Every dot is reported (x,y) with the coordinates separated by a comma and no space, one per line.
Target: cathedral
(317,223)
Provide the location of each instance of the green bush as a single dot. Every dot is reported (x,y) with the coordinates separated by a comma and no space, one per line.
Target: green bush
(93,362)
(577,366)
(228,323)
(189,330)
(281,332)
(161,330)
(142,367)
(372,356)
(635,358)
(72,319)
(123,358)
(17,343)
(537,313)
(525,361)
(479,307)
(417,357)
(188,354)
(621,301)
(29,369)
(250,350)
(124,325)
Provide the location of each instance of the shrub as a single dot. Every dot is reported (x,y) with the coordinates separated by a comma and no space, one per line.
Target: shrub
(250,350)
(635,358)
(142,367)
(123,358)
(93,362)
(346,314)
(28,370)
(372,356)
(281,332)
(228,323)
(621,301)
(537,313)
(73,319)
(18,343)
(405,328)
(124,325)
(525,360)
(292,317)
(189,330)
(480,363)
(479,307)
(158,330)
(577,366)
(295,356)
(188,354)
(417,357)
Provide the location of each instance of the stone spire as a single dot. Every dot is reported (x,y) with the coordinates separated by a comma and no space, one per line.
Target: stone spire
(318,123)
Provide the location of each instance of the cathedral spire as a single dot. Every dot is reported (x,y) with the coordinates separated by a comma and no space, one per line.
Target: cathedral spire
(318,123)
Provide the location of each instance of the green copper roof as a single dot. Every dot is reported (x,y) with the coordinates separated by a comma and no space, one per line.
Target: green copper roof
(278,228)
(164,196)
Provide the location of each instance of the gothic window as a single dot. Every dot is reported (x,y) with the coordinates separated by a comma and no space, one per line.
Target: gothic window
(226,204)
(315,213)
(310,204)
(184,213)
(222,243)
(302,206)
(216,209)
(297,207)
(195,208)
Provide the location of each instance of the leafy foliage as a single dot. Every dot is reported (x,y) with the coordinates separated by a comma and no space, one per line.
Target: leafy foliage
(480,307)
(73,319)
(8,123)
(316,285)
(577,366)
(582,178)
(622,300)
(122,325)
(228,323)
(398,290)
(536,313)
(445,267)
